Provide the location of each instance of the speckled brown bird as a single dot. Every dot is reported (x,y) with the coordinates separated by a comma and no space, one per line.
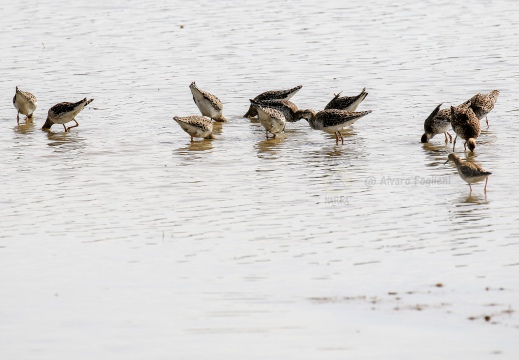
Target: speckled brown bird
(25,103)
(348,103)
(287,107)
(196,126)
(64,112)
(482,104)
(272,120)
(332,120)
(471,173)
(466,125)
(272,95)
(438,122)
(208,104)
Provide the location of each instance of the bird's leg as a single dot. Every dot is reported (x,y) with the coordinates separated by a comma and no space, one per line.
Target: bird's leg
(450,136)
(486,181)
(446,140)
(342,137)
(336,139)
(470,186)
(64,127)
(73,126)
(267,134)
(454,145)
(465,145)
(486,117)
(18,118)
(191,139)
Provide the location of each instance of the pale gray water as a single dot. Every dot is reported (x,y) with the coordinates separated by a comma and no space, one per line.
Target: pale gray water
(122,240)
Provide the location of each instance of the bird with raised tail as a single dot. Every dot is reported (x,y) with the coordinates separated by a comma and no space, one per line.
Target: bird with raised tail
(466,125)
(438,122)
(208,104)
(272,120)
(272,95)
(348,103)
(470,173)
(482,104)
(196,126)
(332,120)
(25,103)
(64,112)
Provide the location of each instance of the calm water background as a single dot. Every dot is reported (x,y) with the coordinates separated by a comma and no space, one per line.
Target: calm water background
(123,240)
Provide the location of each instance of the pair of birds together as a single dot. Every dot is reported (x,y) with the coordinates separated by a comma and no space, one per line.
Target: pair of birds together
(61,113)
(274,109)
(464,120)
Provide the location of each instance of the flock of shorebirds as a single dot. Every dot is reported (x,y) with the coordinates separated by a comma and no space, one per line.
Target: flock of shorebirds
(274,109)
(61,113)
(464,120)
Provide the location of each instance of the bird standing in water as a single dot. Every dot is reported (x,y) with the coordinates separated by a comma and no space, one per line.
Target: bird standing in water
(332,120)
(64,112)
(439,121)
(471,173)
(466,125)
(208,104)
(482,104)
(25,103)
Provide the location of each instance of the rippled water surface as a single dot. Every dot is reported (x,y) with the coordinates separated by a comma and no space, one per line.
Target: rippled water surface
(123,240)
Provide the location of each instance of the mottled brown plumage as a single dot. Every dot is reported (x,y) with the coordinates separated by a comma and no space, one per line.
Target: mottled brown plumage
(466,125)
(482,104)
(271,119)
(272,95)
(332,120)
(196,126)
(208,104)
(469,172)
(348,103)
(64,112)
(25,103)
(438,122)
(287,107)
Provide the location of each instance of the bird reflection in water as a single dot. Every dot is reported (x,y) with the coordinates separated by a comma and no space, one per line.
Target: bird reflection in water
(25,128)
(217,127)
(65,140)
(195,146)
(272,145)
(194,152)
(470,212)
(471,198)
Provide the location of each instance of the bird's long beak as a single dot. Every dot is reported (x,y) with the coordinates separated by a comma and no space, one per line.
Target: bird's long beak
(446,162)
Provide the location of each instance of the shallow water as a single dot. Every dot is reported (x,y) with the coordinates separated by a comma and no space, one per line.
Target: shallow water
(123,240)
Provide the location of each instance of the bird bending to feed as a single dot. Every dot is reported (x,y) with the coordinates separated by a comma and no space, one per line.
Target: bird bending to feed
(438,122)
(466,125)
(471,173)
(196,126)
(332,120)
(482,104)
(272,120)
(287,107)
(272,95)
(64,112)
(348,103)
(25,103)
(208,104)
